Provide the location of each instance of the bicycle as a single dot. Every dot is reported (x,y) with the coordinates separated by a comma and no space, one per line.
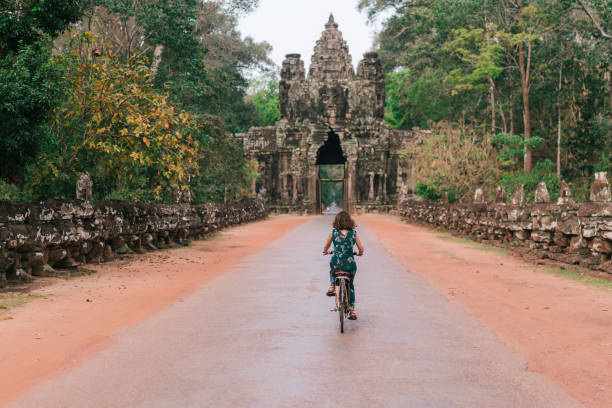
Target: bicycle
(341,279)
(342,299)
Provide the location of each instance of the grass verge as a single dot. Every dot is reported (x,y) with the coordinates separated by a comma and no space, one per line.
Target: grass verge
(568,273)
(580,277)
(476,245)
(12,300)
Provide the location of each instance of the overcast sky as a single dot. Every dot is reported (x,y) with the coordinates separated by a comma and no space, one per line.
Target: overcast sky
(293,26)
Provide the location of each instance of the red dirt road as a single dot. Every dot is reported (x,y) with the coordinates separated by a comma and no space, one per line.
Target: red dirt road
(79,316)
(562,328)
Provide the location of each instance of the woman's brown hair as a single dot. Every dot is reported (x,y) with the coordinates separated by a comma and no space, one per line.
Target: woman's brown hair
(343,221)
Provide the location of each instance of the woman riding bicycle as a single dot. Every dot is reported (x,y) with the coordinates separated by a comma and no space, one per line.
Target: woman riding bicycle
(344,237)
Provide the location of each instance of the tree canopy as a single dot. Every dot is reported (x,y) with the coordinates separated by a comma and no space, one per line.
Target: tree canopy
(142,94)
(539,70)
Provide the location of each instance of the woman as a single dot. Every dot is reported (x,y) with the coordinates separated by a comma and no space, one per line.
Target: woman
(344,237)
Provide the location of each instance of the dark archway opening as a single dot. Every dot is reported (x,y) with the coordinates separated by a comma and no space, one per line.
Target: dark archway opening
(331,162)
(331,151)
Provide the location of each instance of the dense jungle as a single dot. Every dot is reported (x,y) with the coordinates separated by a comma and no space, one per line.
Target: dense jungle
(144,94)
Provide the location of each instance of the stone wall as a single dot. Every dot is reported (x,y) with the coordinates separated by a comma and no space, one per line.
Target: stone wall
(37,239)
(579,234)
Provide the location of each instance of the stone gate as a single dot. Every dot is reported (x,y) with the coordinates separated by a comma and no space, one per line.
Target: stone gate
(331,116)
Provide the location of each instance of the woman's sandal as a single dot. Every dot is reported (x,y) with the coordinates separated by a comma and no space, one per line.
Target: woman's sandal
(352,315)
(331,291)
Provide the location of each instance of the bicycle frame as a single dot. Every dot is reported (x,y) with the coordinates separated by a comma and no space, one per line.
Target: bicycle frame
(341,279)
(342,302)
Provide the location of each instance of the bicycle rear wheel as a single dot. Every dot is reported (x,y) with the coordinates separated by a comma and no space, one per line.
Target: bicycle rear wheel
(342,305)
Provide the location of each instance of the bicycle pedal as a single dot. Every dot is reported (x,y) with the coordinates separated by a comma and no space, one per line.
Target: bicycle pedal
(333,310)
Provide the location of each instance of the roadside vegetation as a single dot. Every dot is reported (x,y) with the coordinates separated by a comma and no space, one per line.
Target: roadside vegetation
(143,95)
(515,91)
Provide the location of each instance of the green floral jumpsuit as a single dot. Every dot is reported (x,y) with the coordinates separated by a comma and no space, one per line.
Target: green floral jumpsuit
(344,259)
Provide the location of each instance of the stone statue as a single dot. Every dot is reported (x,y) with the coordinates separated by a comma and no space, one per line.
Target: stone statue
(479,196)
(263,194)
(177,195)
(500,196)
(600,190)
(187,196)
(518,196)
(565,195)
(541,193)
(84,187)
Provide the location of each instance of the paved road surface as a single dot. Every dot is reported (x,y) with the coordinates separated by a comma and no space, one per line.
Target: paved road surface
(262,335)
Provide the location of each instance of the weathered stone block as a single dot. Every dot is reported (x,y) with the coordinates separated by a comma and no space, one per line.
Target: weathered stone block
(560,239)
(570,226)
(540,236)
(606,267)
(521,235)
(589,232)
(601,245)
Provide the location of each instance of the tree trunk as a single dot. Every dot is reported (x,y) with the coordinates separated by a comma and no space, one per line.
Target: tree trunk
(492,97)
(559,125)
(157,57)
(503,118)
(524,71)
(610,83)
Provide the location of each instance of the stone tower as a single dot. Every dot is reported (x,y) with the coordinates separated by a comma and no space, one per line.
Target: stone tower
(331,116)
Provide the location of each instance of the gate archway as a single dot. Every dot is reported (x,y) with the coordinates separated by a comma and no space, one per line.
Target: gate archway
(331,191)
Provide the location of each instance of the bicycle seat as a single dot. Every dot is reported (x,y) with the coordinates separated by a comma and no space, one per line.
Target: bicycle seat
(342,273)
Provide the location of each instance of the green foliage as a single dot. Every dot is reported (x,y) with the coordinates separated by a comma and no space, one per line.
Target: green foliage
(542,171)
(224,174)
(453,161)
(331,171)
(332,192)
(512,147)
(429,193)
(476,48)
(31,85)
(265,99)
(459,62)
(416,103)
(10,192)
(27,22)
(113,119)
(434,193)
(141,126)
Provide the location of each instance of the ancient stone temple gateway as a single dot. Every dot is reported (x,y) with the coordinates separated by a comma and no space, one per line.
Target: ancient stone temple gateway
(333,116)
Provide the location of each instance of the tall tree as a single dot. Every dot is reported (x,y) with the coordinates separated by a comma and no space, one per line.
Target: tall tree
(31,83)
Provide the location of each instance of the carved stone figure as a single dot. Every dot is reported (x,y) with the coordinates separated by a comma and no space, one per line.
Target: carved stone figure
(500,195)
(186,195)
(176,196)
(84,187)
(541,193)
(479,196)
(600,190)
(565,195)
(518,196)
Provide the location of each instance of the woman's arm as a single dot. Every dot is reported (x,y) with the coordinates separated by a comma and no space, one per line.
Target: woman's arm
(359,246)
(327,244)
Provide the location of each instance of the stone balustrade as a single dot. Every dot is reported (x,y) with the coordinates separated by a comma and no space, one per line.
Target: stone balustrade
(37,239)
(567,232)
